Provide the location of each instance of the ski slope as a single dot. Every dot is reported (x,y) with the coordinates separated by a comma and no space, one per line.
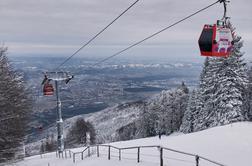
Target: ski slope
(230,145)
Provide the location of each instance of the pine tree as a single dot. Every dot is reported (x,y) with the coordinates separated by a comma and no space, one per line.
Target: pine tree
(249,94)
(229,97)
(180,104)
(191,113)
(203,74)
(15,109)
(50,143)
(77,133)
(164,113)
(149,118)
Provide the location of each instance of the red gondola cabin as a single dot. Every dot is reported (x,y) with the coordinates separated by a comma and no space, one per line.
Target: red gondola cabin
(48,89)
(216,40)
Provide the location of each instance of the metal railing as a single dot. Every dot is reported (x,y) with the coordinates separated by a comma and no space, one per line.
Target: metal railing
(196,158)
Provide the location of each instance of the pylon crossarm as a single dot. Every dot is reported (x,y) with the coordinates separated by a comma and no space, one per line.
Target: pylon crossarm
(58,76)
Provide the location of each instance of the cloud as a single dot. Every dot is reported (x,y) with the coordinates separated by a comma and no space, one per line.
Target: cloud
(58,27)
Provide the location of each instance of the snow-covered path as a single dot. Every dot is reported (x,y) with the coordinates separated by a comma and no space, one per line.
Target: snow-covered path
(230,145)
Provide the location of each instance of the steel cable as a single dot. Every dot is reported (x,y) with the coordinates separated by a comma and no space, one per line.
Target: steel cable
(89,41)
(156,33)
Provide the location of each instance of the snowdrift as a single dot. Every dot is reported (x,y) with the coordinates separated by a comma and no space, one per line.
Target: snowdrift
(230,145)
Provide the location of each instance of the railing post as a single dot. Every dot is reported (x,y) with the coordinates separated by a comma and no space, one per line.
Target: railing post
(98,154)
(74,157)
(109,152)
(82,156)
(161,156)
(138,154)
(70,153)
(88,151)
(120,154)
(65,154)
(197,160)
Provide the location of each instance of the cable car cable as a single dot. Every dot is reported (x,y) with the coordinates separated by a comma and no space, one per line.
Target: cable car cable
(164,29)
(89,41)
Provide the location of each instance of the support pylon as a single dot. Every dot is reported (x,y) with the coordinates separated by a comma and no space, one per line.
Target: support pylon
(57,77)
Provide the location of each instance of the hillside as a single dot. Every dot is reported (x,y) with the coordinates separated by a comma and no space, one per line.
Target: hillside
(230,145)
(106,122)
(130,120)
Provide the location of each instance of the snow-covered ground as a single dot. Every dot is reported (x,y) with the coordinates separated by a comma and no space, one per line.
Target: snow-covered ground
(230,145)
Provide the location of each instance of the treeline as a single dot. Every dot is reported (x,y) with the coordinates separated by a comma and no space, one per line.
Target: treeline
(162,114)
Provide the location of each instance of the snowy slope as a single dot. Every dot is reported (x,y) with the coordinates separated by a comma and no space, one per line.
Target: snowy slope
(106,122)
(230,145)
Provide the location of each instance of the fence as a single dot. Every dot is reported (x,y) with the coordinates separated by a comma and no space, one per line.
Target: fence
(162,154)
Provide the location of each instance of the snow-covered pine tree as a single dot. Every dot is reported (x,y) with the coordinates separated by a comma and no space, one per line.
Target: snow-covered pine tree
(203,73)
(229,97)
(202,105)
(163,113)
(191,113)
(206,92)
(14,110)
(249,94)
(169,107)
(148,120)
(141,122)
(179,105)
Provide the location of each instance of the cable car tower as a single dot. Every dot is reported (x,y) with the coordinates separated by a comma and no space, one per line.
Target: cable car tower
(48,90)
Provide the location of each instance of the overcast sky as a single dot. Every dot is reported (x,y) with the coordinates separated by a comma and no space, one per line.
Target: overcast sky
(59,27)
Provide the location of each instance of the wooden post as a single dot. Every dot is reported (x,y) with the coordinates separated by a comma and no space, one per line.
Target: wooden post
(74,157)
(65,154)
(161,156)
(70,153)
(89,151)
(82,156)
(120,154)
(197,160)
(109,152)
(138,154)
(98,154)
